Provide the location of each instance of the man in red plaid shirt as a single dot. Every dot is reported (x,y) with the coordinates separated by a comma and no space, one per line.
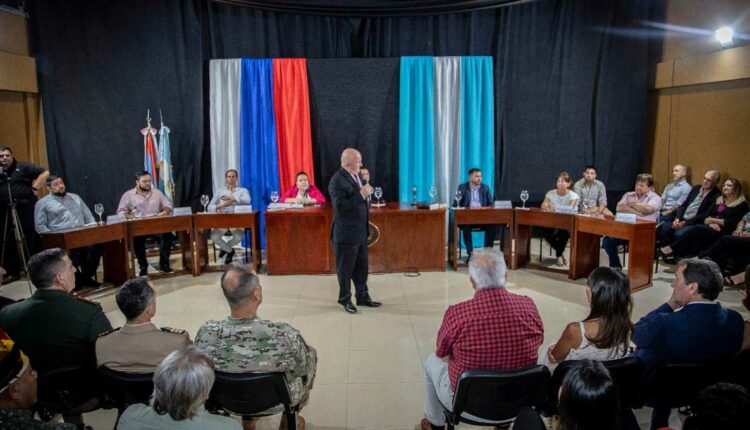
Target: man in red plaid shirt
(494,330)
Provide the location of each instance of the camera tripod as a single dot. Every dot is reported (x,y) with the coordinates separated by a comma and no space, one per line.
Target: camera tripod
(21,248)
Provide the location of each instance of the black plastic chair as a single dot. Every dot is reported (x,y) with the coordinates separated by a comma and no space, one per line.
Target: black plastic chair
(626,373)
(674,385)
(497,395)
(251,394)
(737,372)
(122,389)
(69,391)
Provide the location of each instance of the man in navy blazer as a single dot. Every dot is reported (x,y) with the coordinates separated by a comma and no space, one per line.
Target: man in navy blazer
(476,194)
(691,327)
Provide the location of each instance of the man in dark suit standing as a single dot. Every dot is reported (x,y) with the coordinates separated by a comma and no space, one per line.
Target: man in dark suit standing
(349,194)
(475,194)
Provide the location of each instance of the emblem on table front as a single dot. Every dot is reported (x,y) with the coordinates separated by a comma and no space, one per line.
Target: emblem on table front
(373,234)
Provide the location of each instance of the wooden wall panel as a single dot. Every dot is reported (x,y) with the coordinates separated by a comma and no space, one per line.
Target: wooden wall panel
(14,34)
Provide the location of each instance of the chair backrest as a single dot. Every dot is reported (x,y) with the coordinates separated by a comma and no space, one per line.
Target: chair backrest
(498,395)
(122,389)
(65,388)
(738,371)
(249,394)
(626,374)
(675,385)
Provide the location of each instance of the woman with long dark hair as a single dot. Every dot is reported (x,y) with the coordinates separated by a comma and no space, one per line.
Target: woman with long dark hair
(723,217)
(605,333)
(588,399)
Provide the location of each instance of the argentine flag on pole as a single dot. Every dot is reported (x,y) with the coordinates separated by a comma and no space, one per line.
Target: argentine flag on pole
(166,181)
(149,150)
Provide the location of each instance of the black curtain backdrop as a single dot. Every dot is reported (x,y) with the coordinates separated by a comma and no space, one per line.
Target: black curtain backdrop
(570,84)
(354,103)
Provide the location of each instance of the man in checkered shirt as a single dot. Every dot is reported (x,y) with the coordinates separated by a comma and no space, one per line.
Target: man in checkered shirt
(496,330)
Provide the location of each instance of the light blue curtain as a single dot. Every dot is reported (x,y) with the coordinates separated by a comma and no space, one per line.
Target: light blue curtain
(259,169)
(478,117)
(416,128)
(478,123)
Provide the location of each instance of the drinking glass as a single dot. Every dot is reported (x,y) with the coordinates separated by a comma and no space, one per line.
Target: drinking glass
(378,194)
(524,197)
(99,210)
(204,202)
(457,197)
(274,196)
(433,193)
(132,208)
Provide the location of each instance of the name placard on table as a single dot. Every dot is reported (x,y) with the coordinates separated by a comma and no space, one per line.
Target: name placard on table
(182,211)
(626,218)
(503,204)
(115,219)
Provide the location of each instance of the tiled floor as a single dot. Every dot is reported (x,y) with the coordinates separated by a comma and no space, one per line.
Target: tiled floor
(369,370)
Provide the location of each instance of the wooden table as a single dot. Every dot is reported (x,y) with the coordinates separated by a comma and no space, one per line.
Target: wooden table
(204,221)
(113,236)
(459,217)
(298,241)
(535,217)
(410,239)
(183,224)
(641,238)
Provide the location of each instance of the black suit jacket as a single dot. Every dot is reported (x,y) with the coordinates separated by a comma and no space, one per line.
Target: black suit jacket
(350,211)
(485,197)
(703,209)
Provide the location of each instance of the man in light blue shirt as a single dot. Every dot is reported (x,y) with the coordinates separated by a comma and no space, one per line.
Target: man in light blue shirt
(224,201)
(672,198)
(61,210)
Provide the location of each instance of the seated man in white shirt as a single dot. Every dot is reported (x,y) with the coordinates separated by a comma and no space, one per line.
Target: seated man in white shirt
(223,201)
(60,210)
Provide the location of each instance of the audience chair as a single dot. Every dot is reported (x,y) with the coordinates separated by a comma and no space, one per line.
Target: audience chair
(738,371)
(122,389)
(69,391)
(625,372)
(497,395)
(251,394)
(674,385)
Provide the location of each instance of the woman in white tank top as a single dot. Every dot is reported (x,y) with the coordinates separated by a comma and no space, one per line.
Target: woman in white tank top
(605,333)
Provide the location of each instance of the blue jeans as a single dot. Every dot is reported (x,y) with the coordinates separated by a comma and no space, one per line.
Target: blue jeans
(610,245)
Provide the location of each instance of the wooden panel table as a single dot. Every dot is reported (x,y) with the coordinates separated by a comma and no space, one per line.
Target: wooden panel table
(466,216)
(204,221)
(183,224)
(535,217)
(114,238)
(298,241)
(641,238)
(410,239)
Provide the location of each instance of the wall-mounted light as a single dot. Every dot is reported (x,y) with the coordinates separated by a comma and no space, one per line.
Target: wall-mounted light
(724,36)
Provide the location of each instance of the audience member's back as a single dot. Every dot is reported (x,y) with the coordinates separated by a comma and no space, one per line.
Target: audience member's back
(52,327)
(721,407)
(691,326)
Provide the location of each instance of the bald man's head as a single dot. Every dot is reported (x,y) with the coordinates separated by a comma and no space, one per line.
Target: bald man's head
(351,160)
(239,283)
(679,172)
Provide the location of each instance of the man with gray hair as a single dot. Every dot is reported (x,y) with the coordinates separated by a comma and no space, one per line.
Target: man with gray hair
(244,343)
(496,329)
(694,210)
(182,383)
(139,345)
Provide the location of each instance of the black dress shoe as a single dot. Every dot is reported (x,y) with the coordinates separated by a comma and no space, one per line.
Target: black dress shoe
(229,257)
(368,302)
(165,269)
(222,253)
(143,271)
(349,307)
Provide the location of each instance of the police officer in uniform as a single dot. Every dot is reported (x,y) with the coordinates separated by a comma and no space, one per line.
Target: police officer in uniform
(23,179)
(54,328)
(138,346)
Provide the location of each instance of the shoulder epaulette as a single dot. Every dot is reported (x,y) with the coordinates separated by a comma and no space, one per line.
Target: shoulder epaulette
(87,301)
(109,331)
(173,330)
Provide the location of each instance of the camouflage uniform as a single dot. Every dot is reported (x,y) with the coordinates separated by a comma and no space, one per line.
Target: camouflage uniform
(256,345)
(23,419)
